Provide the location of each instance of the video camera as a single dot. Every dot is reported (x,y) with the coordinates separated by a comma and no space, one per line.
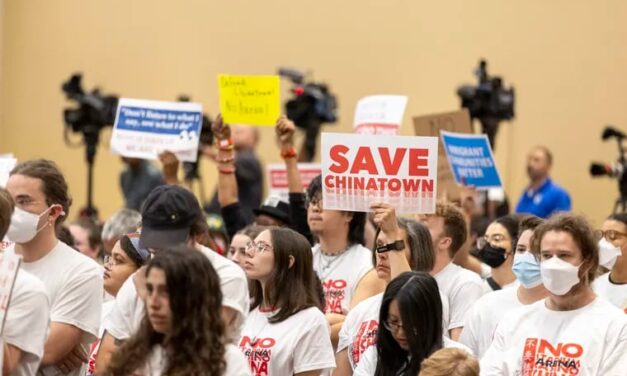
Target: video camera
(618,169)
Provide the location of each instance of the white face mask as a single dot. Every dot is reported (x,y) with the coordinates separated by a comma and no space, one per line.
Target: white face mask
(23,226)
(559,276)
(608,253)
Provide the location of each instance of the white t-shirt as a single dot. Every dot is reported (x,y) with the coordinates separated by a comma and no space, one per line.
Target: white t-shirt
(106,309)
(368,364)
(460,288)
(74,285)
(27,321)
(359,331)
(235,362)
(128,310)
(297,344)
(534,340)
(484,316)
(341,275)
(614,293)
(488,289)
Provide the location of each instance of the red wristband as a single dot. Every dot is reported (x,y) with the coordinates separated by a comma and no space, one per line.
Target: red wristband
(289,153)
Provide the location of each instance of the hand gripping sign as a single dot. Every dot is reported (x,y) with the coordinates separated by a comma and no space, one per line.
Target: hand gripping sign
(358,170)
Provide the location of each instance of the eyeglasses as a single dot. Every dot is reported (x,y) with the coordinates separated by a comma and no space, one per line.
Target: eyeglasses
(496,238)
(258,247)
(610,235)
(317,201)
(392,326)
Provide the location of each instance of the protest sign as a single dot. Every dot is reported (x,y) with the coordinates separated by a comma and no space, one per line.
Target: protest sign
(9,265)
(358,170)
(7,162)
(253,100)
(145,128)
(380,114)
(431,125)
(277,178)
(471,160)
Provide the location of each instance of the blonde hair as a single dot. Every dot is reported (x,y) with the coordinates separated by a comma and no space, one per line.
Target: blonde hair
(450,362)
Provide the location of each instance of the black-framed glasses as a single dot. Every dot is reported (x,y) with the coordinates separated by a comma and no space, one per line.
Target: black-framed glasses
(392,326)
(610,235)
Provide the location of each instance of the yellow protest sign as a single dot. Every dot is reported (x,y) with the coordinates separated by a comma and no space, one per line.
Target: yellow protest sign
(252,100)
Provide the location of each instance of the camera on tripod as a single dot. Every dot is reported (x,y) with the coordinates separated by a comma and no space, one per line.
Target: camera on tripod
(617,170)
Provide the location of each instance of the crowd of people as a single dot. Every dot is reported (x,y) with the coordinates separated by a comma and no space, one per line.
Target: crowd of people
(292,288)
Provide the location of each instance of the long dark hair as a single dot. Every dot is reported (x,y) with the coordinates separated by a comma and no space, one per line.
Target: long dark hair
(421,253)
(196,343)
(290,289)
(418,299)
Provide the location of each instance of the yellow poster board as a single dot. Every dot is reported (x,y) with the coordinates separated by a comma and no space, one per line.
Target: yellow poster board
(252,100)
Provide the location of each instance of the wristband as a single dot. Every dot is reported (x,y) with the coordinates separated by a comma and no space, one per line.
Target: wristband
(289,153)
(225,159)
(226,144)
(398,245)
(226,171)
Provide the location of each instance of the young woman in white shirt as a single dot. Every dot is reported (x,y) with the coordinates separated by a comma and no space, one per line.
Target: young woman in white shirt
(182,332)
(613,256)
(572,331)
(286,332)
(237,248)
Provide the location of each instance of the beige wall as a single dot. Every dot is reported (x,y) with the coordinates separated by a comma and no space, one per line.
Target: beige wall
(567,60)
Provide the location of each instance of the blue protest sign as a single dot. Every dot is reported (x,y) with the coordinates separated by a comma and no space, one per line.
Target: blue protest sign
(471,159)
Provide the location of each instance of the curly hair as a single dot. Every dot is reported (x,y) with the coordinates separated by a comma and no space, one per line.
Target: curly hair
(196,342)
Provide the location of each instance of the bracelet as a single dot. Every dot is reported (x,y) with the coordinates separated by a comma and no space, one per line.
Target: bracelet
(226,171)
(225,160)
(288,154)
(226,144)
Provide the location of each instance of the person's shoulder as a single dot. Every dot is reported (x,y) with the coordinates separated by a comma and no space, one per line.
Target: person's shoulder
(449,343)
(602,307)
(464,276)
(28,284)
(373,302)
(602,280)
(557,189)
(73,259)
(362,253)
(311,315)
(221,264)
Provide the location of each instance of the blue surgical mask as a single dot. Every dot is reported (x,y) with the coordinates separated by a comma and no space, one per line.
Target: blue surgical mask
(527,270)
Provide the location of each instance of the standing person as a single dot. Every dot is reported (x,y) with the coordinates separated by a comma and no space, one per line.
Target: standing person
(138,179)
(496,249)
(613,256)
(27,316)
(241,240)
(410,327)
(572,331)
(486,313)
(73,281)
(542,197)
(122,222)
(286,332)
(182,332)
(341,262)
(459,287)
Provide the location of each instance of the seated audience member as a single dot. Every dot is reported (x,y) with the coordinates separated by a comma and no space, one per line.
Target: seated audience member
(496,249)
(122,222)
(87,240)
(73,281)
(410,327)
(450,362)
(28,313)
(486,313)
(182,332)
(459,287)
(359,330)
(613,256)
(572,331)
(286,332)
(241,240)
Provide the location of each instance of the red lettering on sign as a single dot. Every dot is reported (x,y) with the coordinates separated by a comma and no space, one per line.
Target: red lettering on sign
(364,161)
(391,167)
(418,162)
(337,155)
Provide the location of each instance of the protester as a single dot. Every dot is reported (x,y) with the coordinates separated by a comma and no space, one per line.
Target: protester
(286,332)
(450,362)
(542,197)
(359,330)
(613,256)
(410,327)
(87,240)
(27,315)
(122,222)
(182,332)
(459,287)
(73,281)
(496,249)
(341,262)
(572,331)
(170,217)
(138,179)
(241,240)
(486,313)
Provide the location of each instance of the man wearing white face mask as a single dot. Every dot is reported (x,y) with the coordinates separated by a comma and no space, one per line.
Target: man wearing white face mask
(571,332)
(73,281)
(613,256)
(486,313)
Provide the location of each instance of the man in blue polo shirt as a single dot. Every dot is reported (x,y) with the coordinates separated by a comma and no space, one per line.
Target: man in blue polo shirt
(542,197)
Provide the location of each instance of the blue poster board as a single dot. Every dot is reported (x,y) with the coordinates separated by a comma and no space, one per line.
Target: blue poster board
(471,159)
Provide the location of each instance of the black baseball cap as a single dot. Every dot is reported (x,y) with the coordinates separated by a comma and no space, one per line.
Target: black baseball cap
(168,214)
(276,208)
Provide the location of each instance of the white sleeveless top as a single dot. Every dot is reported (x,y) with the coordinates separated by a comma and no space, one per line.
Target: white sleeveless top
(341,274)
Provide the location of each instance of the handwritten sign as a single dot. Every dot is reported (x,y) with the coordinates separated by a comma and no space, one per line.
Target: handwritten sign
(7,162)
(431,125)
(380,114)
(252,100)
(9,265)
(277,178)
(358,170)
(471,159)
(146,128)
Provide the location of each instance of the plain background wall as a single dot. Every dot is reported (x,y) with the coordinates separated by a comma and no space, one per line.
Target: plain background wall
(567,60)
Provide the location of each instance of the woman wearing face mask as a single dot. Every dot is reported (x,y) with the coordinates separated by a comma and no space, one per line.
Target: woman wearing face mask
(572,331)
(237,248)
(613,256)
(182,332)
(286,332)
(410,327)
(496,249)
(359,331)
(486,313)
